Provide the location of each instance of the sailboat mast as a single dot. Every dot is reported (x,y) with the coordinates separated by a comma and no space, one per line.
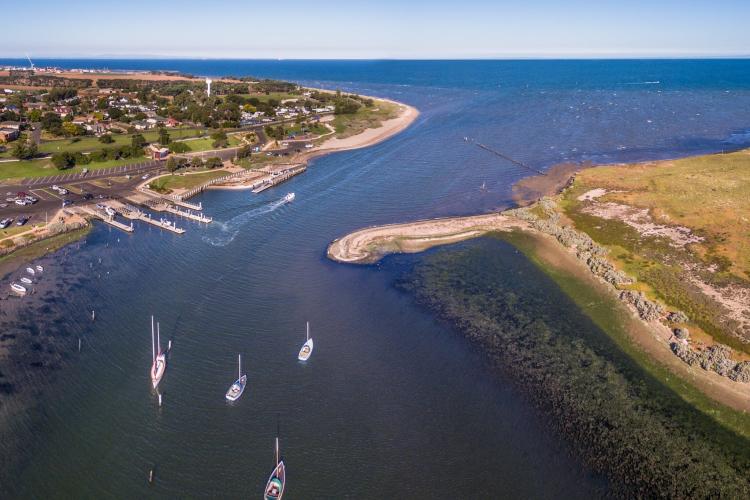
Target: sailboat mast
(277,450)
(308,330)
(153,347)
(239,370)
(158,340)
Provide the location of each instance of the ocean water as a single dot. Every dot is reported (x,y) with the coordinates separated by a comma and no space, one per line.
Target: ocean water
(392,402)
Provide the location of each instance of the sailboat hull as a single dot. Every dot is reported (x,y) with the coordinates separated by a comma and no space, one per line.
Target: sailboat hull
(306,351)
(157,369)
(276,483)
(235,391)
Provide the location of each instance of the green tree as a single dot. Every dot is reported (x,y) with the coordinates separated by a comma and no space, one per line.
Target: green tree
(106,139)
(196,162)
(179,147)
(214,162)
(219,139)
(172,164)
(163,136)
(63,160)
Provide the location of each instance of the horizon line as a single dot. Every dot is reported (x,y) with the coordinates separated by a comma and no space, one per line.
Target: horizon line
(571,57)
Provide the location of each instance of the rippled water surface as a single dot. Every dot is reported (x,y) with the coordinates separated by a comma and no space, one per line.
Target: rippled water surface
(392,401)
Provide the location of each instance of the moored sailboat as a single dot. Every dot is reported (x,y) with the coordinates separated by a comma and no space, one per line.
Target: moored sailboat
(277,480)
(236,389)
(307,347)
(159,359)
(18,288)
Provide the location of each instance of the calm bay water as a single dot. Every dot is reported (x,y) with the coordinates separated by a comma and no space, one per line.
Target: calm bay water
(392,401)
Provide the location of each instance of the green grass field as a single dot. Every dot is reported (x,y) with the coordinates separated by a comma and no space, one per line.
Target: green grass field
(44,167)
(349,125)
(171,182)
(87,144)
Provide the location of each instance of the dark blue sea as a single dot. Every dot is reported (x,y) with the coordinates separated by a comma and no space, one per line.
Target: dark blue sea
(393,402)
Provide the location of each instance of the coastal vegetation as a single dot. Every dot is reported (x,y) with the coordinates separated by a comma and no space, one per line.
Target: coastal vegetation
(680,229)
(622,418)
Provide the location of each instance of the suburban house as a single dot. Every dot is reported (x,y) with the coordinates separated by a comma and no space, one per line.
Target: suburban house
(157,152)
(8,134)
(171,122)
(11,125)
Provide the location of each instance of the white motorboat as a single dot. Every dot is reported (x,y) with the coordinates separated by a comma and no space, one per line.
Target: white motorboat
(236,390)
(289,197)
(307,347)
(18,288)
(159,359)
(39,268)
(26,280)
(30,270)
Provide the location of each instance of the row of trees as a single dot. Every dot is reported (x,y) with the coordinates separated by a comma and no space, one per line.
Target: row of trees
(65,159)
(174,164)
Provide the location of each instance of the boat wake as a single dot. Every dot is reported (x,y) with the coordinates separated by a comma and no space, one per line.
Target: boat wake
(231,228)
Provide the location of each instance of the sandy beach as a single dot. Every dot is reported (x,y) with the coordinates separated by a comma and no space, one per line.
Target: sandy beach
(371,244)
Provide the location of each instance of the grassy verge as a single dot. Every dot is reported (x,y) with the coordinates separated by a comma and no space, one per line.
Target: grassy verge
(40,248)
(169,183)
(44,167)
(87,144)
(365,118)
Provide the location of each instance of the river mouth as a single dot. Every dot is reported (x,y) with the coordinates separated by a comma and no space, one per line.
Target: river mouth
(391,395)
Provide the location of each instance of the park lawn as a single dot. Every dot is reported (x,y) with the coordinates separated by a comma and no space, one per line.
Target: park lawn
(90,143)
(364,118)
(13,230)
(279,96)
(44,167)
(169,183)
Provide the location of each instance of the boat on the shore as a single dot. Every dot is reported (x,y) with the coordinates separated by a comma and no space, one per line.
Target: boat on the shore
(288,197)
(39,268)
(277,480)
(159,359)
(30,270)
(26,280)
(236,389)
(307,347)
(18,288)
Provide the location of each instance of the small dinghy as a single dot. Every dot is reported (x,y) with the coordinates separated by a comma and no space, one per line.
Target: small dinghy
(40,269)
(18,288)
(236,390)
(31,271)
(307,347)
(26,280)
(275,484)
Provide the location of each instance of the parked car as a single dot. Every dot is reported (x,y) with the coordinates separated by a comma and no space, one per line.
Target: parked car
(85,171)
(66,203)
(5,223)
(88,196)
(22,220)
(31,199)
(145,176)
(22,202)
(55,187)
(3,205)
(62,191)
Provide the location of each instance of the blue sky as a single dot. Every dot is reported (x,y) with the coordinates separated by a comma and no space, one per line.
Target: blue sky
(375,29)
